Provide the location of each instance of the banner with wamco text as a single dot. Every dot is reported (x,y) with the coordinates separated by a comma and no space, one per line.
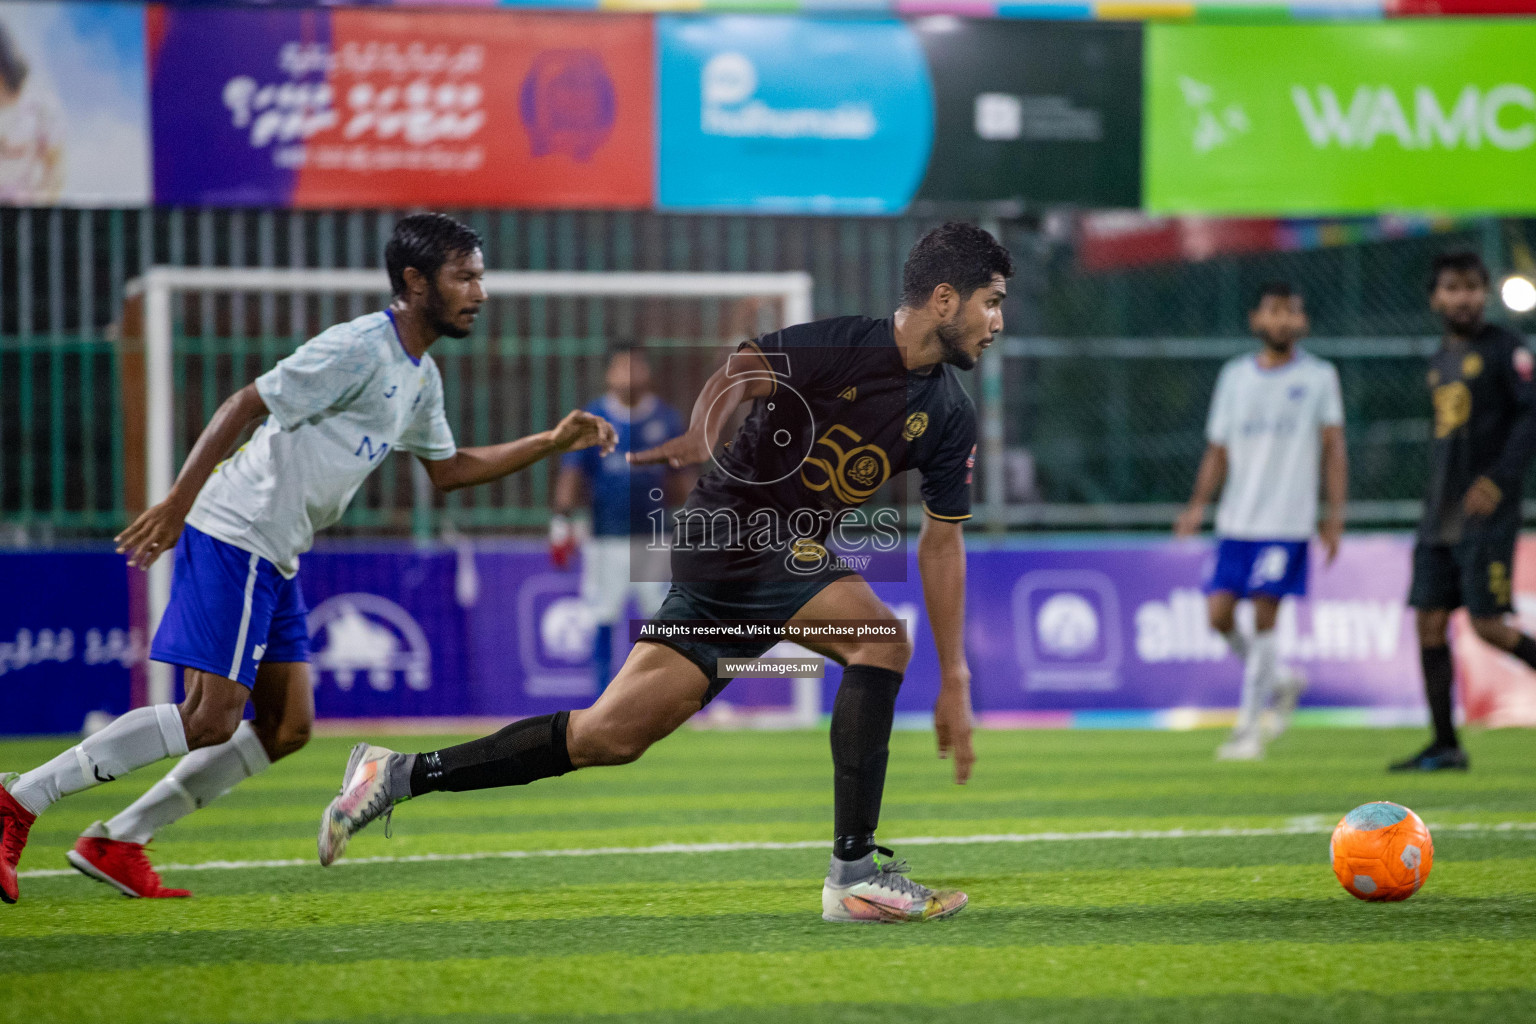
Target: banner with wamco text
(1436,116)
(349,108)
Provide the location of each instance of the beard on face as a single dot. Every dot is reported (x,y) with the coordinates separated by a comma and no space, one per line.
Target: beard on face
(1463,322)
(950,333)
(1282,343)
(438,318)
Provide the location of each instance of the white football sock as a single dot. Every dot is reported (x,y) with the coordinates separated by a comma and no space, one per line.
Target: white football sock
(1258,680)
(1237,642)
(142,736)
(201,778)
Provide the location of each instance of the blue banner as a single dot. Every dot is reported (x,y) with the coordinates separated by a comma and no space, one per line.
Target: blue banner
(66,649)
(791,114)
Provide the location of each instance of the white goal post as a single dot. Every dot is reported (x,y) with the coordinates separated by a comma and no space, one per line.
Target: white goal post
(158,284)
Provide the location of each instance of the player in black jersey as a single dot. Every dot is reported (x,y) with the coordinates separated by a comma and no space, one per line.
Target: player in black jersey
(1485,435)
(839,407)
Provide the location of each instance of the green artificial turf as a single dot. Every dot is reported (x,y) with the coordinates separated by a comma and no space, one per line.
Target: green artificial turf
(1113,876)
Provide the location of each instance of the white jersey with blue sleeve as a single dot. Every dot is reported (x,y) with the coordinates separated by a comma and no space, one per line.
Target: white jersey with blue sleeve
(1270,421)
(338,405)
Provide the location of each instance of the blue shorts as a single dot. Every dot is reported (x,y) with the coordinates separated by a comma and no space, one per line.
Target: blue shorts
(229,611)
(1268,568)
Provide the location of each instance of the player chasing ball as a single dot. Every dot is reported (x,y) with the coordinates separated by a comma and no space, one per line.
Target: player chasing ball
(236,617)
(616,563)
(839,407)
(1276,420)
(1485,435)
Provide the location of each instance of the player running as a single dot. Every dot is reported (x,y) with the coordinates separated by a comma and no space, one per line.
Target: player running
(1485,434)
(839,407)
(236,617)
(623,501)
(1273,415)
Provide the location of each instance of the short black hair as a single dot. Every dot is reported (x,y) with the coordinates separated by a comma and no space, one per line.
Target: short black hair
(1463,260)
(426,241)
(13,66)
(625,347)
(960,255)
(1279,289)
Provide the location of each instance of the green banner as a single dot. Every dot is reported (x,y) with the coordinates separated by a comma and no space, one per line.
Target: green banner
(1422,116)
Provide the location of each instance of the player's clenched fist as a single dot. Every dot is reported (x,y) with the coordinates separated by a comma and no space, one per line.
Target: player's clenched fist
(582,429)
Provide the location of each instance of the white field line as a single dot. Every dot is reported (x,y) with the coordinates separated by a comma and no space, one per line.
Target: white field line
(810,844)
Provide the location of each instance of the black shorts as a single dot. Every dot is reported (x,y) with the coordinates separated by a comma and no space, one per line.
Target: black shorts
(1475,573)
(775,602)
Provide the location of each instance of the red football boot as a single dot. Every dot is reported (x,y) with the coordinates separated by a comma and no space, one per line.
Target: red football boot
(15,822)
(121,865)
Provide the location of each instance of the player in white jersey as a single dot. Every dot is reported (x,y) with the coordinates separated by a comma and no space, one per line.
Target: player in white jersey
(1276,423)
(236,618)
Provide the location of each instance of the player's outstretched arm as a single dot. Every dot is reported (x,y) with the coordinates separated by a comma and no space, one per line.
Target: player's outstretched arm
(470,466)
(155,532)
(709,415)
(941,563)
(1213,470)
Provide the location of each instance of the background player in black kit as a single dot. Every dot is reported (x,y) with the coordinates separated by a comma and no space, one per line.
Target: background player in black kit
(839,407)
(1485,435)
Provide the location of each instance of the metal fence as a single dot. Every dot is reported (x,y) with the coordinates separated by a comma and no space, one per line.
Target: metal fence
(1099,395)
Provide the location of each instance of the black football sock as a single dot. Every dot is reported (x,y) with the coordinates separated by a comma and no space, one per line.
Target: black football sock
(861,746)
(1437,690)
(523,752)
(1525,650)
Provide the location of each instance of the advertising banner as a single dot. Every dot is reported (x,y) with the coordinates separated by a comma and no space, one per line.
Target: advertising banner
(1341,118)
(1049,629)
(1035,113)
(66,649)
(780,114)
(74,105)
(1054,633)
(1125,628)
(346,108)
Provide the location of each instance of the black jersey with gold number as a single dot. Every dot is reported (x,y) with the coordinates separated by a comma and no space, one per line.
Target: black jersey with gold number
(844,417)
(1485,425)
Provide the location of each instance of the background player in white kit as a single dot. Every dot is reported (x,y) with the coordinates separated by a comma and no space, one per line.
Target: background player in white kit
(236,617)
(1276,418)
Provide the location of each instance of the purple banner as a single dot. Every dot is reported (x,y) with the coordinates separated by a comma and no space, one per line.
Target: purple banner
(1125,628)
(497,630)
(1048,629)
(65,645)
(235,94)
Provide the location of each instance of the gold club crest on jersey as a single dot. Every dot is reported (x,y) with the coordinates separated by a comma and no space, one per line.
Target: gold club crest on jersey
(1471,365)
(916,424)
(853,474)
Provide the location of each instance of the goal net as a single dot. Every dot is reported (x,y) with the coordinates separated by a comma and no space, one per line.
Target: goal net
(539,348)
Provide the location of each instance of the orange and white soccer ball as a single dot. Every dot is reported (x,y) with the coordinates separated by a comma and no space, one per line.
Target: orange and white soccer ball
(1381,852)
